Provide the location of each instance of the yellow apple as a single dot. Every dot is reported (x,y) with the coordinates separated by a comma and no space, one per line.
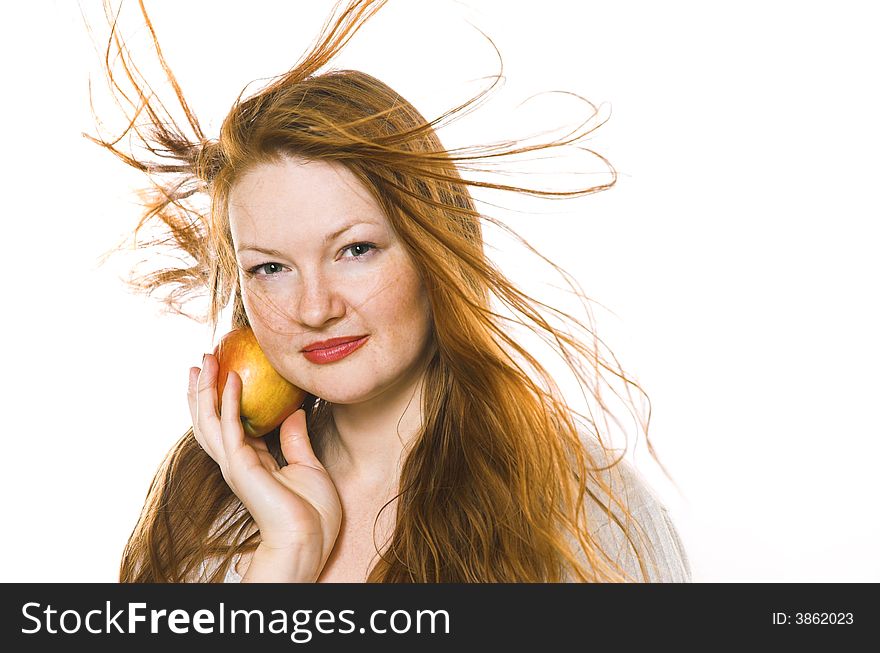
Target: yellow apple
(267,398)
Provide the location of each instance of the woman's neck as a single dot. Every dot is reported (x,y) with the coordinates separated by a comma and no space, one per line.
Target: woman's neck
(367,442)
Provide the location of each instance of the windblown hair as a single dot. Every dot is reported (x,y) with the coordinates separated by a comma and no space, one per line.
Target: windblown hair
(496,486)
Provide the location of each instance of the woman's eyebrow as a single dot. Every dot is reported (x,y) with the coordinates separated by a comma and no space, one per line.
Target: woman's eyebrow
(327,239)
(331,237)
(262,250)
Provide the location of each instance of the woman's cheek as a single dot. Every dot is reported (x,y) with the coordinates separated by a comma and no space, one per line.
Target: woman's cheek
(265,308)
(390,285)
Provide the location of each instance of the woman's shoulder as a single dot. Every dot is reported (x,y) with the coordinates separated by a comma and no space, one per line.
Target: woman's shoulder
(665,556)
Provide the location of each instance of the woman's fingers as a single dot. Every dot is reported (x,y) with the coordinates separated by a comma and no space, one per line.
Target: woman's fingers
(206,390)
(231,430)
(295,443)
(191,391)
(192,400)
(206,424)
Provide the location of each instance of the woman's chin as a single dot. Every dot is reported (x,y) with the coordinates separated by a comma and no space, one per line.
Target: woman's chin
(340,400)
(348,396)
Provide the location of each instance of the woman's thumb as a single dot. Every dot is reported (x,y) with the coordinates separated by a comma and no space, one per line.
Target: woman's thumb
(295,444)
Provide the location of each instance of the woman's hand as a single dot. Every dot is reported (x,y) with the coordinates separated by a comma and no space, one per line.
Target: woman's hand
(296,507)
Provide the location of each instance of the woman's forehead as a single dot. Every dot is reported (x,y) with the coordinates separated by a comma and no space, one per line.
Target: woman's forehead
(320,194)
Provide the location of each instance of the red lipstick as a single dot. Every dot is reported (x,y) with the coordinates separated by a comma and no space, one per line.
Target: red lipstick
(328,351)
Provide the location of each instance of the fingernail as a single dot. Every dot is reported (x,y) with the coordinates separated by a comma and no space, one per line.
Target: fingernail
(204,358)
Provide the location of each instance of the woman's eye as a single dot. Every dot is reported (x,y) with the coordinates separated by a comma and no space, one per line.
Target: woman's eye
(272,269)
(265,270)
(360,250)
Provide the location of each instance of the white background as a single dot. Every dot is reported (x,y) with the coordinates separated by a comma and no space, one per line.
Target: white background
(737,252)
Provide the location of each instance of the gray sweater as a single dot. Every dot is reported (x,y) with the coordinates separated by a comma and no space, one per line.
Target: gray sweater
(664,553)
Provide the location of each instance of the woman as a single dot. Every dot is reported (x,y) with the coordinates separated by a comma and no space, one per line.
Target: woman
(435,448)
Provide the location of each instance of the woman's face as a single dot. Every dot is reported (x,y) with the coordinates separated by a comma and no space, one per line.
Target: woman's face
(330,267)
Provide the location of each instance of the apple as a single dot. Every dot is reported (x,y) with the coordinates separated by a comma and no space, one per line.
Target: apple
(267,398)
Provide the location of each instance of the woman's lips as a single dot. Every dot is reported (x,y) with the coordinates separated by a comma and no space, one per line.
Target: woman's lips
(331,354)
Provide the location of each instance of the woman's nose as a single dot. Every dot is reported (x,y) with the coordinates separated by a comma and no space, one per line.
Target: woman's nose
(319,302)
